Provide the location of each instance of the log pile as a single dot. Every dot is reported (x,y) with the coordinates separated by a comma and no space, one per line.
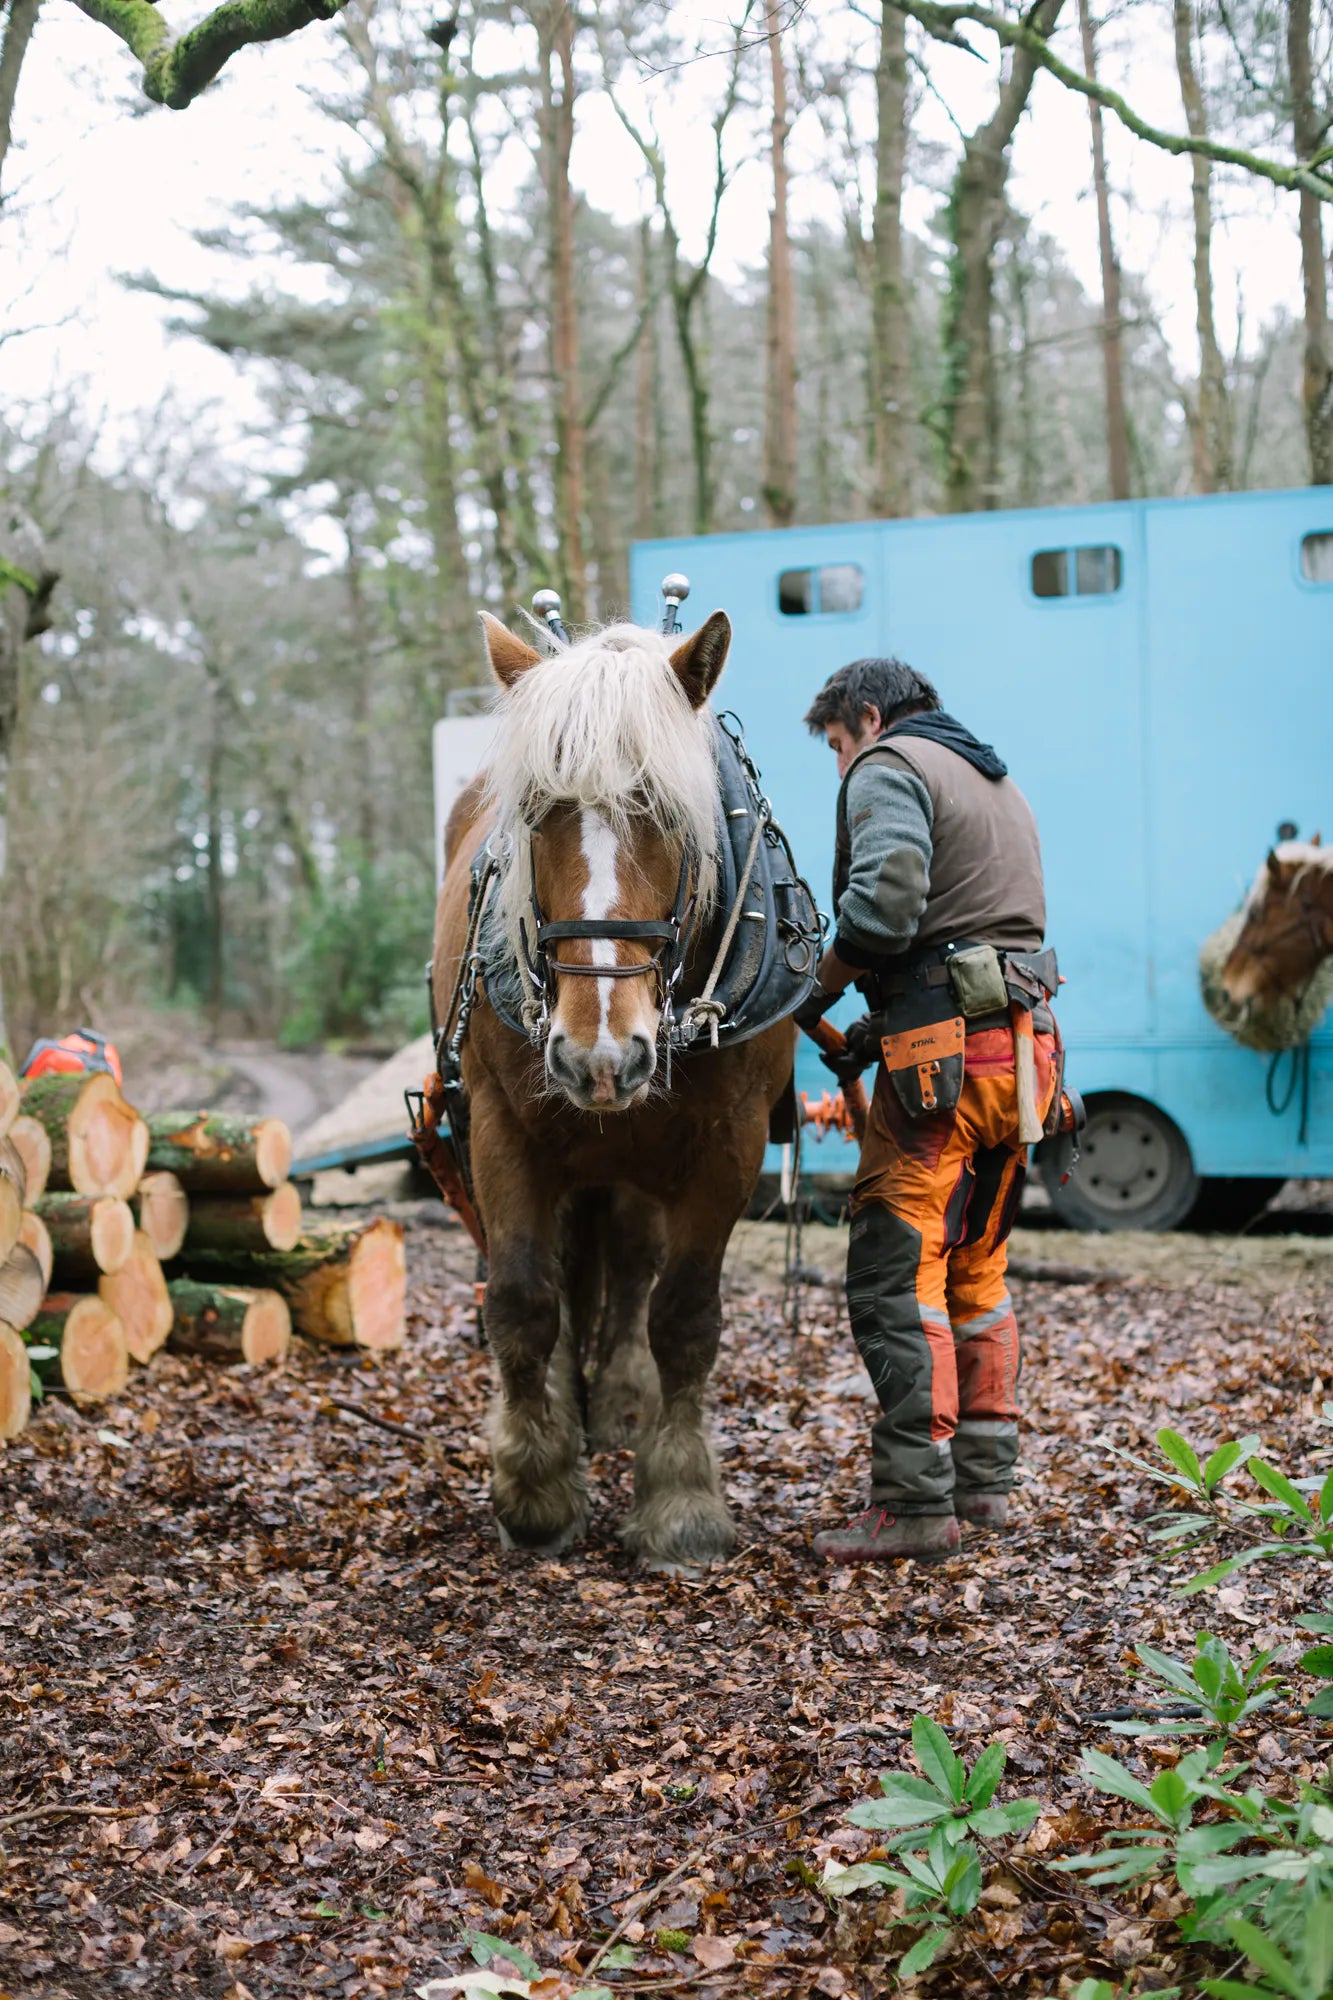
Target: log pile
(120,1235)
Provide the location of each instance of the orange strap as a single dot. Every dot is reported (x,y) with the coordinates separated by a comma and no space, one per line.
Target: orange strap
(438,1157)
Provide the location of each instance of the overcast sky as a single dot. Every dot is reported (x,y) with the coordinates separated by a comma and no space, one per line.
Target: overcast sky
(108,186)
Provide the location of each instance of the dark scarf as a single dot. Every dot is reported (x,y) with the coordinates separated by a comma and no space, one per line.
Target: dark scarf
(937,727)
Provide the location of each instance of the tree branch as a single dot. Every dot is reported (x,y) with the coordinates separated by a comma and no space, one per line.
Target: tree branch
(19,24)
(940,18)
(175,72)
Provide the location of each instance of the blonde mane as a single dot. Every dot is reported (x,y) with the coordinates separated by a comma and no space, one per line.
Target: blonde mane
(1307,859)
(605,725)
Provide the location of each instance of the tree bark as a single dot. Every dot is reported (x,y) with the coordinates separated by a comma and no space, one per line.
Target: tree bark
(1117,430)
(212,1152)
(345,1285)
(98,1141)
(1214,449)
(22,1287)
(556,24)
(780,398)
(90,1237)
(244,1223)
(647,401)
(19,24)
(229,1322)
(137,1295)
(1307,131)
(174,72)
(92,1356)
(891,340)
(976,208)
(162,1211)
(15,1383)
(9,1099)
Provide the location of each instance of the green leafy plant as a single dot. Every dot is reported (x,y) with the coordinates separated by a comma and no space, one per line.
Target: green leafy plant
(936,1822)
(1229,1691)
(1305,1974)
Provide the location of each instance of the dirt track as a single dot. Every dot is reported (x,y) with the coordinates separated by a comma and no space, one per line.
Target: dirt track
(316,1728)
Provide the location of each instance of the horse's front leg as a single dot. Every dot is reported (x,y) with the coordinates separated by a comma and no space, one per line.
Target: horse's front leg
(679,1517)
(538,1487)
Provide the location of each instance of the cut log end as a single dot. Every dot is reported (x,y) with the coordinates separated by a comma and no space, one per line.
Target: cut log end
(137,1294)
(11,1214)
(15,1383)
(34,1232)
(94,1354)
(213,1152)
(95,1146)
(273,1151)
(377,1286)
(28,1138)
(244,1224)
(163,1211)
(229,1322)
(22,1287)
(267,1332)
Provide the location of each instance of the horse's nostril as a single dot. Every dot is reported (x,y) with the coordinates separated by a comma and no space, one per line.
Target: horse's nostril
(559,1062)
(639,1064)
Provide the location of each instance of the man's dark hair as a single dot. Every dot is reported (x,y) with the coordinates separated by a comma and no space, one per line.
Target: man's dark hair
(891,686)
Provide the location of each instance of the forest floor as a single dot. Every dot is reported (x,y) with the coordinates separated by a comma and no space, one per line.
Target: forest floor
(280,1719)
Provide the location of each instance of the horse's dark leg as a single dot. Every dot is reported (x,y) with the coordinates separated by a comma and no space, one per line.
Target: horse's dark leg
(538,1488)
(623,1395)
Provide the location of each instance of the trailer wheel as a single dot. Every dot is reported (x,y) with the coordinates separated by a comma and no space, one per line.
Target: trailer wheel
(1134,1169)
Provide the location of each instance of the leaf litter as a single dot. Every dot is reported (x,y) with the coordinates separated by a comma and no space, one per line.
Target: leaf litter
(281,1719)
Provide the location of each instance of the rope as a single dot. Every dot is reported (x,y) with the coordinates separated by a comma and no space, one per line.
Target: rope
(1299,1079)
(706,1008)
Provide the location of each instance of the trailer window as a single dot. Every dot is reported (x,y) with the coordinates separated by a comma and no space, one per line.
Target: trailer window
(1317,558)
(1096,571)
(835,587)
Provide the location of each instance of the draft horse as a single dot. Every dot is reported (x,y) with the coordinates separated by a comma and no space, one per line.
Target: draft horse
(608,1179)
(1286,932)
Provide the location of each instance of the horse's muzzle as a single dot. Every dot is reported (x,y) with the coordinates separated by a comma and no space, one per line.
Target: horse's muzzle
(609,1076)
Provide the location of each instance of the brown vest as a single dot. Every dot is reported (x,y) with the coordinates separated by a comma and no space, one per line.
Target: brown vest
(985,872)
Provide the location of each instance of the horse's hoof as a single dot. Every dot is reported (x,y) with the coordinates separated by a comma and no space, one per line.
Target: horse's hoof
(535,1545)
(681,1534)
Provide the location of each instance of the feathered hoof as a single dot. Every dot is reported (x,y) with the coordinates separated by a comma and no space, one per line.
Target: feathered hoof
(524,1544)
(672,1533)
(544,1523)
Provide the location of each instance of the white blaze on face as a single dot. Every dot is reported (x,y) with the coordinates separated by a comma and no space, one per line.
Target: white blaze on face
(600,853)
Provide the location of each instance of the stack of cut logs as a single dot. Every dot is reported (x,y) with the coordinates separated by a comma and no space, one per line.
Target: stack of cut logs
(95,1201)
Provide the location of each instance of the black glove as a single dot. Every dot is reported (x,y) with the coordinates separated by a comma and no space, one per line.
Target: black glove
(861,1048)
(813,1009)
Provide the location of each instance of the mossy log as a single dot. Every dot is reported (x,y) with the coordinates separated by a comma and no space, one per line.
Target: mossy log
(90,1236)
(15,1383)
(9,1097)
(98,1144)
(229,1322)
(162,1210)
(22,1287)
(213,1153)
(244,1224)
(28,1138)
(346,1284)
(137,1294)
(91,1355)
(34,1232)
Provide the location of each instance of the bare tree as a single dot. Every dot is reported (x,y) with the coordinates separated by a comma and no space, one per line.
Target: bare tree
(1117,434)
(555,24)
(780,397)
(176,70)
(891,357)
(1309,132)
(1212,421)
(19,24)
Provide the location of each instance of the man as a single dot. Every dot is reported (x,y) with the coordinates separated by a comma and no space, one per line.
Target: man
(940,915)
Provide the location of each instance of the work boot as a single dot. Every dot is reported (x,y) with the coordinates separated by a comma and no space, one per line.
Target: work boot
(878,1536)
(983,1510)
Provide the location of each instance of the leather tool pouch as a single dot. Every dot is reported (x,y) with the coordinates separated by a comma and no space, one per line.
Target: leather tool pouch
(977,978)
(925,1060)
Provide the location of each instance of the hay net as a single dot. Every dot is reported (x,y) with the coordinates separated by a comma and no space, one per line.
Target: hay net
(1270,1025)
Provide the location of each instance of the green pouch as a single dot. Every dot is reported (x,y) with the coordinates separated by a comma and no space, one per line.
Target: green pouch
(977,979)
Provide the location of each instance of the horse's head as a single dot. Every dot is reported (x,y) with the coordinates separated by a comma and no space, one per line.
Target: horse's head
(1287,927)
(604,780)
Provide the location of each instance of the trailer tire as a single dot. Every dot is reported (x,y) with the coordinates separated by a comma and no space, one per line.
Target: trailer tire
(1134,1171)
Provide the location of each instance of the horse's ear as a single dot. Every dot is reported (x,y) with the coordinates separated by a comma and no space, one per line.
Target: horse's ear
(1316,840)
(699,660)
(1274,865)
(509,656)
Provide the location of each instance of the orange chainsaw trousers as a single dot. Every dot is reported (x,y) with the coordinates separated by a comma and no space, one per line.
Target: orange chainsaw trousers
(927,1286)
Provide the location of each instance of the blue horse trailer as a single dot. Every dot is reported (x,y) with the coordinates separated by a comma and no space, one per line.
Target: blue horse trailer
(1158,675)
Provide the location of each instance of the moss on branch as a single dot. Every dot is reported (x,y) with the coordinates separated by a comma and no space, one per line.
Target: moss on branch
(176,70)
(940,18)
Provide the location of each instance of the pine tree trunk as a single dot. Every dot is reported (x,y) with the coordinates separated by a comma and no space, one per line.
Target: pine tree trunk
(229,1322)
(15,1383)
(1117,431)
(647,398)
(92,1356)
(557,139)
(98,1141)
(891,339)
(976,209)
(22,1287)
(27,1135)
(213,1152)
(91,1236)
(19,24)
(162,1211)
(1214,470)
(239,1224)
(345,1285)
(1307,138)
(137,1295)
(780,398)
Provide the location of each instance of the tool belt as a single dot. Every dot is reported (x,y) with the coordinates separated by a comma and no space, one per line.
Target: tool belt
(925,1007)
